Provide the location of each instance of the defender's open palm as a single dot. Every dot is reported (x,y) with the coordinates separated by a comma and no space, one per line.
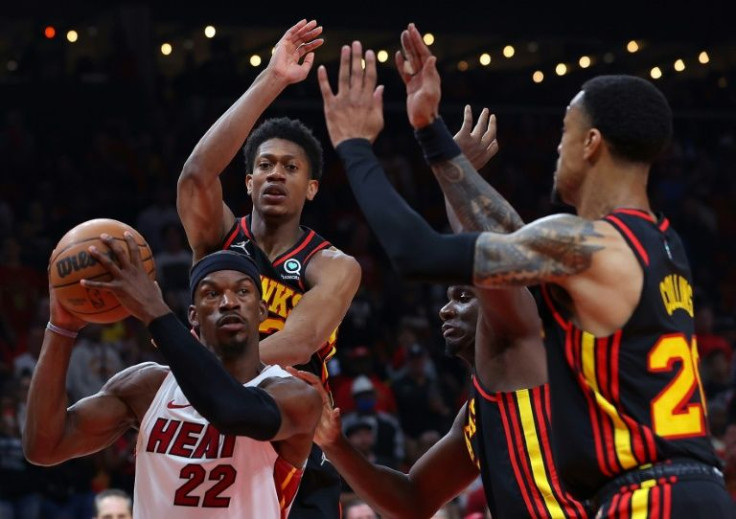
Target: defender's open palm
(478,142)
(293,56)
(418,69)
(356,111)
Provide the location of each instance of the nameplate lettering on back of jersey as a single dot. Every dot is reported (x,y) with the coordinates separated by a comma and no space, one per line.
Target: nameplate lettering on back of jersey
(677,294)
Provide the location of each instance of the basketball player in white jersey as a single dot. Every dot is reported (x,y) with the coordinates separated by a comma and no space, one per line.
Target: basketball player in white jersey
(218,438)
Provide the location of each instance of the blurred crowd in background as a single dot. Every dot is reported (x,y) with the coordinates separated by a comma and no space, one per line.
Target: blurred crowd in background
(74,148)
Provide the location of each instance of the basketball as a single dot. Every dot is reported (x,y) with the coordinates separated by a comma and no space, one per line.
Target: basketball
(72,262)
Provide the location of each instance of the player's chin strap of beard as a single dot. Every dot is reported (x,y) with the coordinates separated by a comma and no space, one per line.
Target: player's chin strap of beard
(222,260)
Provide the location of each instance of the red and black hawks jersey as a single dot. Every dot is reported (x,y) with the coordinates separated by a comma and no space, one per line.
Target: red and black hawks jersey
(634,397)
(284,282)
(507,435)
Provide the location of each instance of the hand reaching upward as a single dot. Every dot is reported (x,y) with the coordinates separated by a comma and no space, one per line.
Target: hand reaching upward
(293,56)
(418,70)
(356,111)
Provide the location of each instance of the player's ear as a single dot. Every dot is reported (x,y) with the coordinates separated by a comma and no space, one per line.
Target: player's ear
(249,183)
(262,311)
(593,143)
(192,317)
(312,188)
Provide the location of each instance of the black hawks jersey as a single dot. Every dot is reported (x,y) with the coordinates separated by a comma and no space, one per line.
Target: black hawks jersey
(634,397)
(507,435)
(284,282)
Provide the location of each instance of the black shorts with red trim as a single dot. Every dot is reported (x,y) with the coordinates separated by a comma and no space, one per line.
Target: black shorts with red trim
(318,496)
(674,489)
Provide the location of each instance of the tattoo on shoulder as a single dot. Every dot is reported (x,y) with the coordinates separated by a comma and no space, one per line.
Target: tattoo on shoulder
(539,253)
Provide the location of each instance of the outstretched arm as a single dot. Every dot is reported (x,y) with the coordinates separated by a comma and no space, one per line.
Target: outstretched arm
(203,213)
(354,119)
(418,494)
(475,203)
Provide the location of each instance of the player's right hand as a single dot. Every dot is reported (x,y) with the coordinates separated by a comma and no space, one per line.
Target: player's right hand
(418,70)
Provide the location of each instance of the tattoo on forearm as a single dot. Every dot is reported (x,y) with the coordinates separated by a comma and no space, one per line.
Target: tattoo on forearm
(478,206)
(558,248)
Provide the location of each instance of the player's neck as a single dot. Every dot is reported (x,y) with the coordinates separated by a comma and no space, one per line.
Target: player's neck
(605,191)
(244,368)
(275,235)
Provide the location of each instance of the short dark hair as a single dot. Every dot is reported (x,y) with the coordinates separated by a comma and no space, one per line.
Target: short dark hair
(631,113)
(112,492)
(288,129)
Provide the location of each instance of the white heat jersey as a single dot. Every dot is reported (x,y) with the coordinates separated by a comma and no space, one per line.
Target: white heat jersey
(186,469)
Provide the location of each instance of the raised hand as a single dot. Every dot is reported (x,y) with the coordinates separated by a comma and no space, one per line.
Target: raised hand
(329,428)
(356,111)
(130,283)
(293,56)
(478,142)
(418,70)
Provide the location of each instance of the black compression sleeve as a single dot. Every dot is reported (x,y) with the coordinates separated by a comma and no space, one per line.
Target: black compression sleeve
(416,250)
(228,405)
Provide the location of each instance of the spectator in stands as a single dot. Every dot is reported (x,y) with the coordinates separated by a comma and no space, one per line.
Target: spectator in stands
(388,440)
(113,503)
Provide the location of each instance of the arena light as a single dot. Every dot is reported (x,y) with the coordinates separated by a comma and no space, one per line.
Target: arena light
(485,59)
(210,31)
(49,31)
(632,46)
(428,38)
(655,73)
(609,57)
(703,57)
(72,36)
(679,65)
(255,60)
(561,69)
(538,76)
(462,65)
(509,51)
(166,49)
(584,61)
(382,56)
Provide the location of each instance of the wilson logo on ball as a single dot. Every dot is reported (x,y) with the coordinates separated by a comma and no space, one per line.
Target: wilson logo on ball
(80,261)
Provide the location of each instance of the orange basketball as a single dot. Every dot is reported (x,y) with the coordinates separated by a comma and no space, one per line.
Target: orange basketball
(71,262)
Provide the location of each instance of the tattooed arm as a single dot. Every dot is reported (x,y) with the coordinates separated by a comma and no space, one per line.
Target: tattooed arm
(472,203)
(476,204)
(590,260)
(546,250)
